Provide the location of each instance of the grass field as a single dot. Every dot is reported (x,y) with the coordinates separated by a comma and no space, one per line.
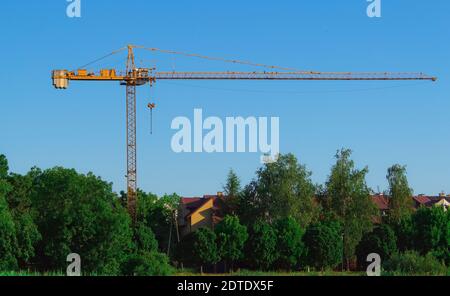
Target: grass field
(193,273)
(188,273)
(24,273)
(273,273)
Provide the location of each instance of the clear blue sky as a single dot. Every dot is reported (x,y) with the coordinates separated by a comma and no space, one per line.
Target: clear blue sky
(83,127)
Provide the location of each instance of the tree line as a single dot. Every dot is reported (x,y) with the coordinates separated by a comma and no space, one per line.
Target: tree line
(281,220)
(45,215)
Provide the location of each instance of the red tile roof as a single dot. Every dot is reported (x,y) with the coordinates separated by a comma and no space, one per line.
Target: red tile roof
(381,201)
(422,199)
(188,200)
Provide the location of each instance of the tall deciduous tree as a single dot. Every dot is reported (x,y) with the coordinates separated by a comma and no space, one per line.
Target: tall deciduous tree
(80,214)
(282,189)
(400,202)
(350,201)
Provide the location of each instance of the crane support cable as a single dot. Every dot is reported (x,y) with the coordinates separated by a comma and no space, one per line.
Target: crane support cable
(218,59)
(296,71)
(103,57)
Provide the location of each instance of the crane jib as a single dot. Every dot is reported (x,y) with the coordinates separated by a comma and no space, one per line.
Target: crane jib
(138,77)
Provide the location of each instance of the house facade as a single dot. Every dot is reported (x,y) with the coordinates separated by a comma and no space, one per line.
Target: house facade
(198,212)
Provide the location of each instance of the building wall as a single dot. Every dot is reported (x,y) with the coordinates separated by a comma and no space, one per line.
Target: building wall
(203,216)
(443,203)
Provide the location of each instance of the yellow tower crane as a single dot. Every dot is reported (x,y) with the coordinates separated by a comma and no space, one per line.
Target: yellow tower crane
(135,76)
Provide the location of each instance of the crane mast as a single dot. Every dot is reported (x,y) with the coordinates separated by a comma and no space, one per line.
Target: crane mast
(134,77)
(131,148)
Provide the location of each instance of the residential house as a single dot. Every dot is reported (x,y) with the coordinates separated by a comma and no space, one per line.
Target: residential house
(421,201)
(198,212)
(440,201)
(382,203)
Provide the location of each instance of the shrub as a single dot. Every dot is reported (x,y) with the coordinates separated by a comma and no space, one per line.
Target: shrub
(205,247)
(411,263)
(261,248)
(431,228)
(404,231)
(381,240)
(147,264)
(324,245)
(290,244)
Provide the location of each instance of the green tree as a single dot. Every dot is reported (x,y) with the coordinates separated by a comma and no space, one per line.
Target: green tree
(232,191)
(80,214)
(160,215)
(144,239)
(8,243)
(233,185)
(261,247)
(145,260)
(205,247)
(19,200)
(400,202)
(323,241)
(431,232)
(290,243)
(350,201)
(381,240)
(185,252)
(231,238)
(404,232)
(4,168)
(283,188)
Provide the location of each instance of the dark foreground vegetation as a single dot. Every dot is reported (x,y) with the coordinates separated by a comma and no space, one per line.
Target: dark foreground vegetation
(281,221)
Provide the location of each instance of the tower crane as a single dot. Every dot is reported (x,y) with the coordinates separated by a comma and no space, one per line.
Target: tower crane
(134,77)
